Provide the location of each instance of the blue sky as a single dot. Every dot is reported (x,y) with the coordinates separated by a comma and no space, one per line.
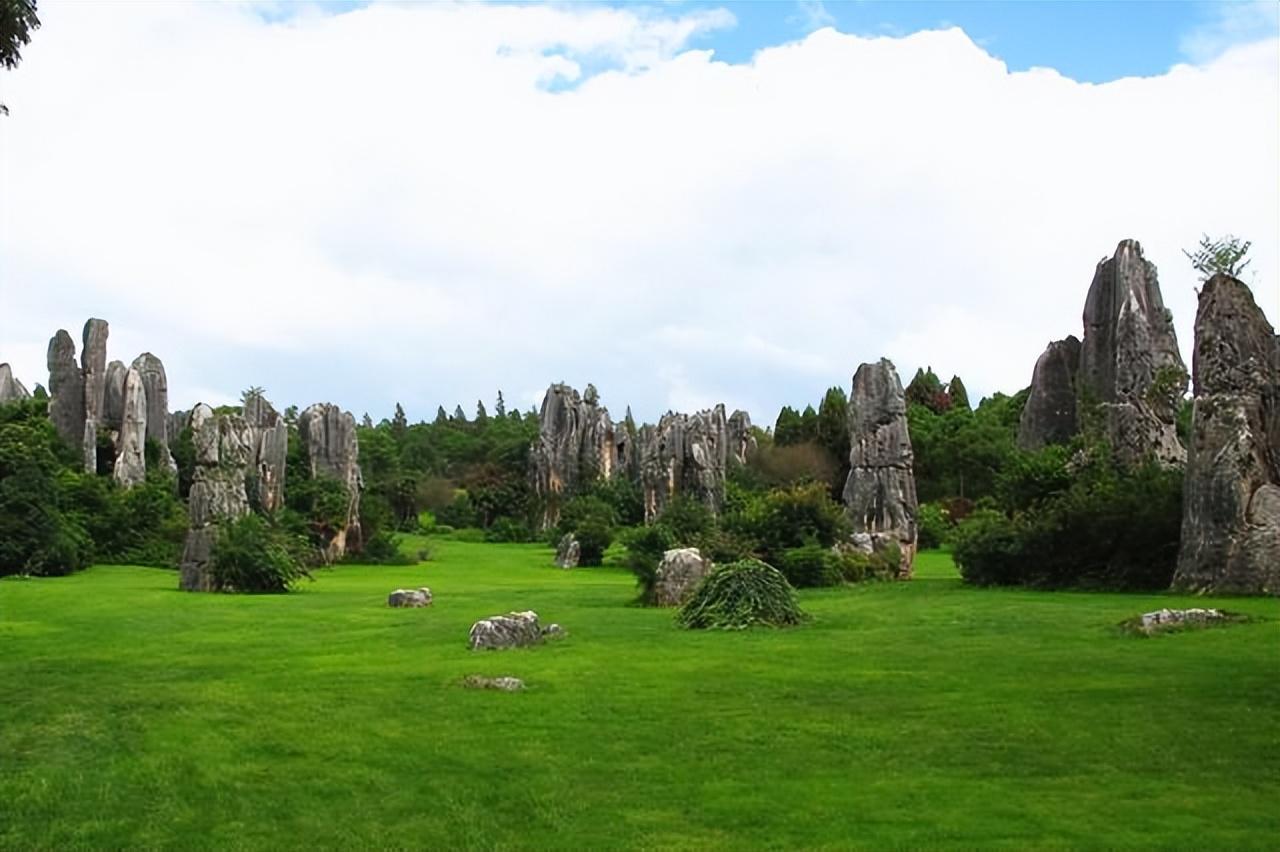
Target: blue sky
(427,202)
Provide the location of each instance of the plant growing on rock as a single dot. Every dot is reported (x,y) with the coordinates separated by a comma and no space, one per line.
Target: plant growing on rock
(740,595)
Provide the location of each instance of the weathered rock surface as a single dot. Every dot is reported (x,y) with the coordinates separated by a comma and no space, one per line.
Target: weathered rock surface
(93,363)
(223,446)
(410,598)
(679,573)
(576,444)
(513,630)
(156,385)
(329,434)
(1168,619)
(1129,359)
(11,389)
(684,454)
(131,465)
(1231,488)
(880,493)
(1049,416)
(270,445)
(568,552)
(503,684)
(740,438)
(113,395)
(66,389)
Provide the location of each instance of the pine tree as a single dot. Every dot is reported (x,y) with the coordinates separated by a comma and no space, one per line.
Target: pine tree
(959,395)
(441,417)
(399,424)
(482,416)
(500,410)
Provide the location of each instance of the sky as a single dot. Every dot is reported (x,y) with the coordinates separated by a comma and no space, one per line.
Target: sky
(682,203)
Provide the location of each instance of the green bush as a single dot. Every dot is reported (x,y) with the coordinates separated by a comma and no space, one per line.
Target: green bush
(472,535)
(788,518)
(594,537)
(687,519)
(932,526)
(381,549)
(508,530)
(645,546)
(740,595)
(811,565)
(251,555)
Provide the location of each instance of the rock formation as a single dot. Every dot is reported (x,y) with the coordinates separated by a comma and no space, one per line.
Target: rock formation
(513,630)
(576,444)
(741,440)
(329,435)
(93,364)
(1231,490)
(270,446)
(684,454)
(410,598)
(131,465)
(1049,416)
(1129,360)
(156,386)
(223,448)
(568,552)
(113,394)
(11,389)
(66,389)
(679,573)
(880,493)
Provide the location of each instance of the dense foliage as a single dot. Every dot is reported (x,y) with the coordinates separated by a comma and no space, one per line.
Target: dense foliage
(740,595)
(254,555)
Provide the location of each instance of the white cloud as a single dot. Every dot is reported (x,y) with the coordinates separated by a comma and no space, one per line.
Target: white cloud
(1230,24)
(389,204)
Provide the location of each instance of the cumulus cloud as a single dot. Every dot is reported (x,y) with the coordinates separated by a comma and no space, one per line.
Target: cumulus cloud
(426,203)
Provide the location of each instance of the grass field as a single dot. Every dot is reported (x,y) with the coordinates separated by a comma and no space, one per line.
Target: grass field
(908,715)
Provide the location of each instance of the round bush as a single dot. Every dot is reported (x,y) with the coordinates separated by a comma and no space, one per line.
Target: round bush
(739,595)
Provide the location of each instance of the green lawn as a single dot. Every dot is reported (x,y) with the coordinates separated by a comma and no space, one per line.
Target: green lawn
(908,715)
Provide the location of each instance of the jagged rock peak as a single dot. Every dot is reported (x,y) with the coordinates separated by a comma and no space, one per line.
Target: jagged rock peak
(1230,539)
(742,441)
(93,363)
(1049,416)
(113,394)
(270,445)
(222,449)
(684,454)
(11,389)
(880,493)
(1129,359)
(576,443)
(329,435)
(131,466)
(66,389)
(156,385)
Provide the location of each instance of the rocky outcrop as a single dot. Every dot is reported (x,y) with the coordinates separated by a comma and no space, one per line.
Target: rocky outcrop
(576,444)
(66,389)
(1049,416)
(679,573)
(741,440)
(1129,360)
(684,454)
(329,435)
(113,395)
(568,552)
(156,386)
(880,493)
(1231,488)
(223,445)
(11,389)
(513,630)
(93,364)
(270,445)
(131,465)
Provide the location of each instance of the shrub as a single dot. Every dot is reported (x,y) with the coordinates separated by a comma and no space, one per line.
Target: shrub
(459,513)
(932,526)
(687,519)
(253,556)
(740,595)
(645,546)
(811,565)
(380,549)
(594,537)
(507,530)
(787,518)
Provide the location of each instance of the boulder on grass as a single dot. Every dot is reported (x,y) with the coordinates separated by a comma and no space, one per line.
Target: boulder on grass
(568,552)
(410,598)
(679,573)
(504,684)
(513,630)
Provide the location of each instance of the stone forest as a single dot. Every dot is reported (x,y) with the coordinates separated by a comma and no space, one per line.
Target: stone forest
(896,603)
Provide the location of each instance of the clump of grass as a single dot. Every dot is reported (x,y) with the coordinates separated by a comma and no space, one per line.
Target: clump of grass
(739,595)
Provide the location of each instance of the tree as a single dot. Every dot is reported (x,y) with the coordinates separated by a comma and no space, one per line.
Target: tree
(17,20)
(500,408)
(1225,255)
(441,417)
(482,416)
(399,424)
(959,394)
(251,393)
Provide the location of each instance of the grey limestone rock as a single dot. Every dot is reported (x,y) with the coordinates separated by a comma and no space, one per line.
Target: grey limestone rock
(113,395)
(880,492)
(270,446)
(513,630)
(156,386)
(66,389)
(576,443)
(11,389)
(131,466)
(679,573)
(1129,359)
(410,598)
(1168,619)
(329,435)
(1049,416)
(502,684)
(93,363)
(684,454)
(1231,487)
(568,552)
(223,447)
(741,440)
